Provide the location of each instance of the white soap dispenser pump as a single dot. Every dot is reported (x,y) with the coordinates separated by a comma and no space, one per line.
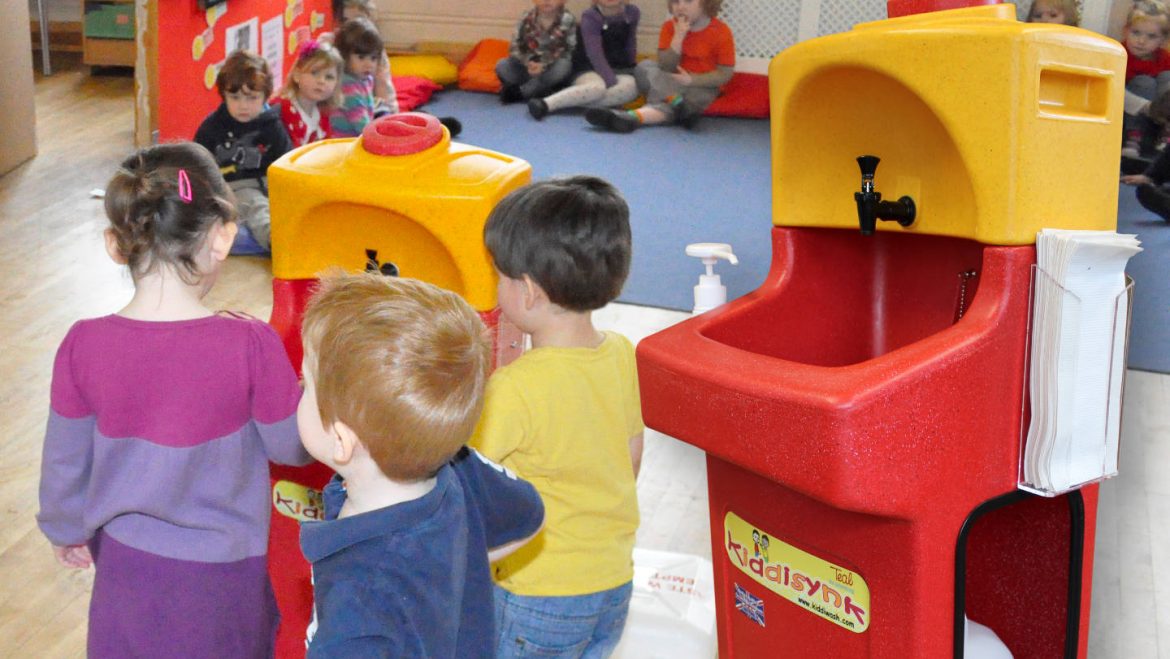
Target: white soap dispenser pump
(710,292)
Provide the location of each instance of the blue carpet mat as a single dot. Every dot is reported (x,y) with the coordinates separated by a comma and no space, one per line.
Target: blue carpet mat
(1149,339)
(712,184)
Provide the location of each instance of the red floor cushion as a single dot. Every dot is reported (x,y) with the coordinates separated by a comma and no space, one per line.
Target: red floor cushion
(413,91)
(745,95)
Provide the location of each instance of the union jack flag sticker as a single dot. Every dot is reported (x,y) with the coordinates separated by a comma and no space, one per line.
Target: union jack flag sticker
(749,605)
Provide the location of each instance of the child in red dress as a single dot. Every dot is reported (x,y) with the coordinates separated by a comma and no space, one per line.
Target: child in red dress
(311,92)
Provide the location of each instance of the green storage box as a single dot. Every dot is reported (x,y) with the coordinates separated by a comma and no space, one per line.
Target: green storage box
(109,21)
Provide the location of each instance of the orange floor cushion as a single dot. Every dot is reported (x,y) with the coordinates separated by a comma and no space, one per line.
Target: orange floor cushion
(477,71)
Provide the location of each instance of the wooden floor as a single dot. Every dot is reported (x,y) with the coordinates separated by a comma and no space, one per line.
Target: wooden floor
(55,271)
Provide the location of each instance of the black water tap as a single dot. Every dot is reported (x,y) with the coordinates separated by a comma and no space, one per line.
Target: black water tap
(372,265)
(871,208)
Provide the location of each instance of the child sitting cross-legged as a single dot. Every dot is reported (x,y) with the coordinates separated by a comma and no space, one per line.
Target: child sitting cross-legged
(1147,72)
(603,61)
(385,95)
(539,59)
(245,136)
(361,49)
(567,416)
(394,377)
(1152,177)
(696,57)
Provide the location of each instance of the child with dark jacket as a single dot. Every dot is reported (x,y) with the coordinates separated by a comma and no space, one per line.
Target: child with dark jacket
(245,136)
(394,372)
(1151,177)
(1151,191)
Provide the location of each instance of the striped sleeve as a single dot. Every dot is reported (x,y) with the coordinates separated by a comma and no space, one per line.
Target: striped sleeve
(356,109)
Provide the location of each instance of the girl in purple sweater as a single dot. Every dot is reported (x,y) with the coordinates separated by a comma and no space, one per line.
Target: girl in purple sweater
(162,420)
(603,61)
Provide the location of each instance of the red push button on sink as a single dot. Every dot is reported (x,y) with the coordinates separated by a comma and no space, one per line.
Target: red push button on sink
(401,134)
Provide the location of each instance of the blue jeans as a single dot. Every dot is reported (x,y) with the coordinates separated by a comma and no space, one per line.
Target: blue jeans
(586,626)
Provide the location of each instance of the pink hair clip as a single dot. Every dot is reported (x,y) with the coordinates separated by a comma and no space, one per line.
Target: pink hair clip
(184,186)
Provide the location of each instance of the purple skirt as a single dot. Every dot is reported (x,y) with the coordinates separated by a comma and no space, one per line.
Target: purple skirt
(144,605)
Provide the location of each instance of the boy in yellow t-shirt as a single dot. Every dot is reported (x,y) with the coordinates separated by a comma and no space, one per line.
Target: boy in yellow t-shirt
(566,416)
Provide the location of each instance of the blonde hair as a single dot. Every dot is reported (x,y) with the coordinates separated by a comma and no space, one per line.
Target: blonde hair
(313,56)
(1149,10)
(401,362)
(1070,8)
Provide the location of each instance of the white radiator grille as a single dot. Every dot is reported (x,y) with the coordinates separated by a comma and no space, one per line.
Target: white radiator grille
(841,15)
(762,28)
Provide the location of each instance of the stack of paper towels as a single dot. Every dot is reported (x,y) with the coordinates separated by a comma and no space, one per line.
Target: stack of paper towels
(1080,320)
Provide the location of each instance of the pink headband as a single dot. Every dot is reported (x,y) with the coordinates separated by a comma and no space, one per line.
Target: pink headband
(309,48)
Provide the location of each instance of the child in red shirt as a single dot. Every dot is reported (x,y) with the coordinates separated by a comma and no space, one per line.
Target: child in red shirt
(696,57)
(312,91)
(1147,69)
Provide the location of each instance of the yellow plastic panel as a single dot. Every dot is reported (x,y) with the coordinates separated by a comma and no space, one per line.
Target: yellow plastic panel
(996,128)
(398,239)
(424,212)
(1066,93)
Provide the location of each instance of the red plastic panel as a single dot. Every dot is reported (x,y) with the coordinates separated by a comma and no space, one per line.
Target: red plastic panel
(881,435)
(896,8)
(401,134)
(858,406)
(1017,575)
(289,297)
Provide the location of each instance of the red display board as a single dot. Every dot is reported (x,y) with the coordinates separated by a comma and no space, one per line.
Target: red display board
(193,42)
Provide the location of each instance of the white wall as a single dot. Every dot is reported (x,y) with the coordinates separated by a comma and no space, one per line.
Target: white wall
(405,22)
(58,11)
(17,101)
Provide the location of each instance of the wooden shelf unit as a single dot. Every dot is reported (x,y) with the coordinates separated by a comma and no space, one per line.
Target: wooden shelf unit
(104,51)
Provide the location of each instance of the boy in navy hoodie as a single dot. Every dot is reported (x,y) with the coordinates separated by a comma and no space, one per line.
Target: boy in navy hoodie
(394,377)
(246,136)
